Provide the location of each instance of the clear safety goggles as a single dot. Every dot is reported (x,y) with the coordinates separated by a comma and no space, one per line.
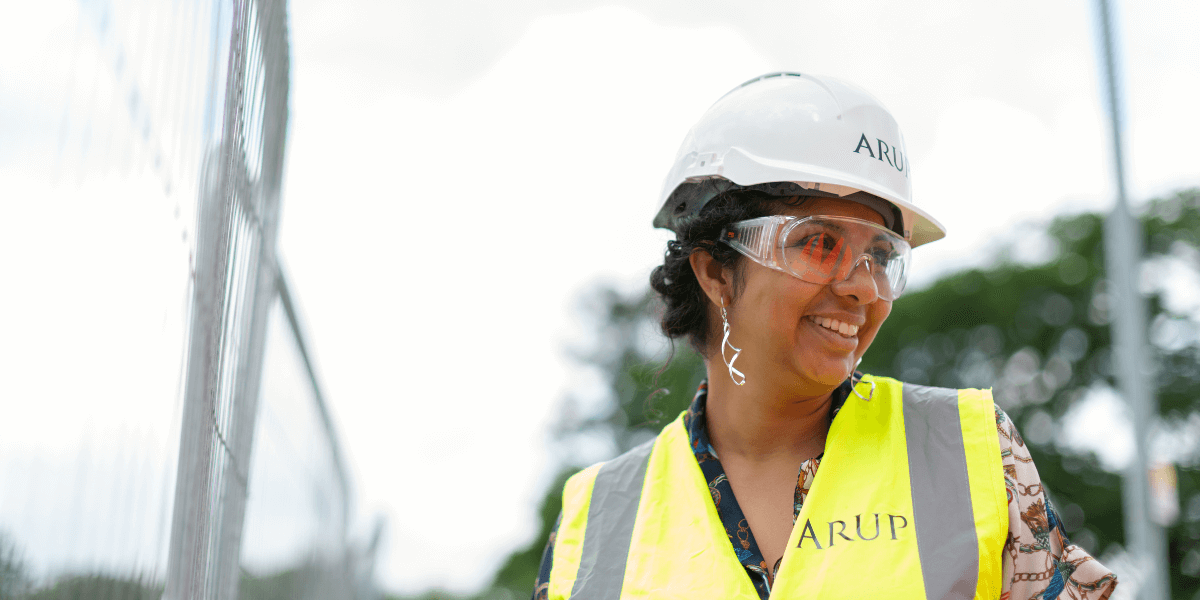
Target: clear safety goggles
(824,249)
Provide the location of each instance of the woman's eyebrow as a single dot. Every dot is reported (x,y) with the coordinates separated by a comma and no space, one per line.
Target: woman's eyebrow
(834,226)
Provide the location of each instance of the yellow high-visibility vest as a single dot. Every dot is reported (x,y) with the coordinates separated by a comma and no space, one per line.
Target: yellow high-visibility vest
(909,502)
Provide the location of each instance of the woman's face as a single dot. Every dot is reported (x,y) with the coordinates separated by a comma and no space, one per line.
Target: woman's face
(782,324)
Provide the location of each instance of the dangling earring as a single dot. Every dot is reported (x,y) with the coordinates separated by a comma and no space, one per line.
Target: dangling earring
(870,394)
(854,381)
(736,351)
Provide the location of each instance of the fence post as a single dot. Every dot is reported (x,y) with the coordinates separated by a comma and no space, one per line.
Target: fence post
(233,287)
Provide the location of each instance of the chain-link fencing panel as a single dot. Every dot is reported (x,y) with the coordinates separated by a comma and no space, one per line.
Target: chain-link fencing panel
(295,542)
(107,108)
(140,165)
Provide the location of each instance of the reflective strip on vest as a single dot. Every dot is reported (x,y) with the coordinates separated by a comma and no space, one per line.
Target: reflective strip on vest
(941,493)
(611,516)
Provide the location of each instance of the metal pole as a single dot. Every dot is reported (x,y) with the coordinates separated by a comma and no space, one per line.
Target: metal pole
(1144,538)
(289,310)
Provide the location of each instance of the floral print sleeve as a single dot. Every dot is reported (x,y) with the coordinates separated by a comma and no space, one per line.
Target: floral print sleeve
(1040,563)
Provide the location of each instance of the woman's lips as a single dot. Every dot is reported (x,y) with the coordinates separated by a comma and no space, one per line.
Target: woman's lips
(842,328)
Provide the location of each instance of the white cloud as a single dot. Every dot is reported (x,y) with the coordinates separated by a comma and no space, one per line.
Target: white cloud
(993,165)
(93,322)
(1099,423)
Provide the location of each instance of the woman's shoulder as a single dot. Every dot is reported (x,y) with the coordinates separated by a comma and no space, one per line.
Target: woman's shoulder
(944,401)
(908,387)
(633,459)
(642,445)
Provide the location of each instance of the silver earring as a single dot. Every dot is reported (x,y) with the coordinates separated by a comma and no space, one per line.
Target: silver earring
(733,373)
(854,385)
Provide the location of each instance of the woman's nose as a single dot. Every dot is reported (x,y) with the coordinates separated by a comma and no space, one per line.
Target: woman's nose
(859,282)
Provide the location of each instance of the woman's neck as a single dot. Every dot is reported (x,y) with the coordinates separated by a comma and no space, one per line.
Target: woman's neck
(764,425)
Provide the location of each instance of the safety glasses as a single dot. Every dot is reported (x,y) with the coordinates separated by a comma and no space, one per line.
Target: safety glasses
(824,249)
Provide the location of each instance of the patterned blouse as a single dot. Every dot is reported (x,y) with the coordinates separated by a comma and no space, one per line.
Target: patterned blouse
(1039,562)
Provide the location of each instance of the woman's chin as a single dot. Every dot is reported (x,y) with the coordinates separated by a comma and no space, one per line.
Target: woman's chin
(831,376)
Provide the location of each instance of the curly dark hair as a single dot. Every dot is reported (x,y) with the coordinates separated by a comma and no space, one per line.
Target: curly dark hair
(685,306)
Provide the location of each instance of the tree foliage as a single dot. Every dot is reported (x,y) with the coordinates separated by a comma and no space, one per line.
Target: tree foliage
(14,581)
(97,586)
(1037,333)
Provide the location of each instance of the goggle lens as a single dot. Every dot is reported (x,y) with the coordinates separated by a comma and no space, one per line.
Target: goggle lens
(825,250)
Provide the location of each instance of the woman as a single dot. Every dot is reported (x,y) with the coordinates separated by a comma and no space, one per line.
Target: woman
(791,204)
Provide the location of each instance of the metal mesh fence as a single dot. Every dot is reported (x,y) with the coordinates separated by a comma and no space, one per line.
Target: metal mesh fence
(234,278)
(298,515)
(144,314)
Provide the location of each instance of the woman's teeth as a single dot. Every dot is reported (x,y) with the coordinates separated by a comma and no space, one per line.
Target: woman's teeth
(845,329)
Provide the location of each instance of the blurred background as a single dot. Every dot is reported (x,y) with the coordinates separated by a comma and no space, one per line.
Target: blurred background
(461,194)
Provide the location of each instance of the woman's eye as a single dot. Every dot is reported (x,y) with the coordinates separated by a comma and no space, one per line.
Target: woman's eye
(882,255)
(818,241)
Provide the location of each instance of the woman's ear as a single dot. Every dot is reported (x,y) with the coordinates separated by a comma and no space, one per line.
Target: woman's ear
(713,278)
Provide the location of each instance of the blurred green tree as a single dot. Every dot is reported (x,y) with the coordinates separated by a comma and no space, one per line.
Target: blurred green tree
(1036,332)
(14,581)
(309,579)
(96,586)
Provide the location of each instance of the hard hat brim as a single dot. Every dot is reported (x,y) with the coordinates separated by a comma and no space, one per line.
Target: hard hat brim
(745,169)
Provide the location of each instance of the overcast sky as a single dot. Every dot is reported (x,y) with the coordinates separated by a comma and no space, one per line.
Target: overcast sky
(458,173)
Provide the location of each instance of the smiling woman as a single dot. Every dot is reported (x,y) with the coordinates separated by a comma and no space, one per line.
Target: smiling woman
(791,474)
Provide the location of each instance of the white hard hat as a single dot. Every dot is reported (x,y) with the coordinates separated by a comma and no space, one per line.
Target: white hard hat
(792,134)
